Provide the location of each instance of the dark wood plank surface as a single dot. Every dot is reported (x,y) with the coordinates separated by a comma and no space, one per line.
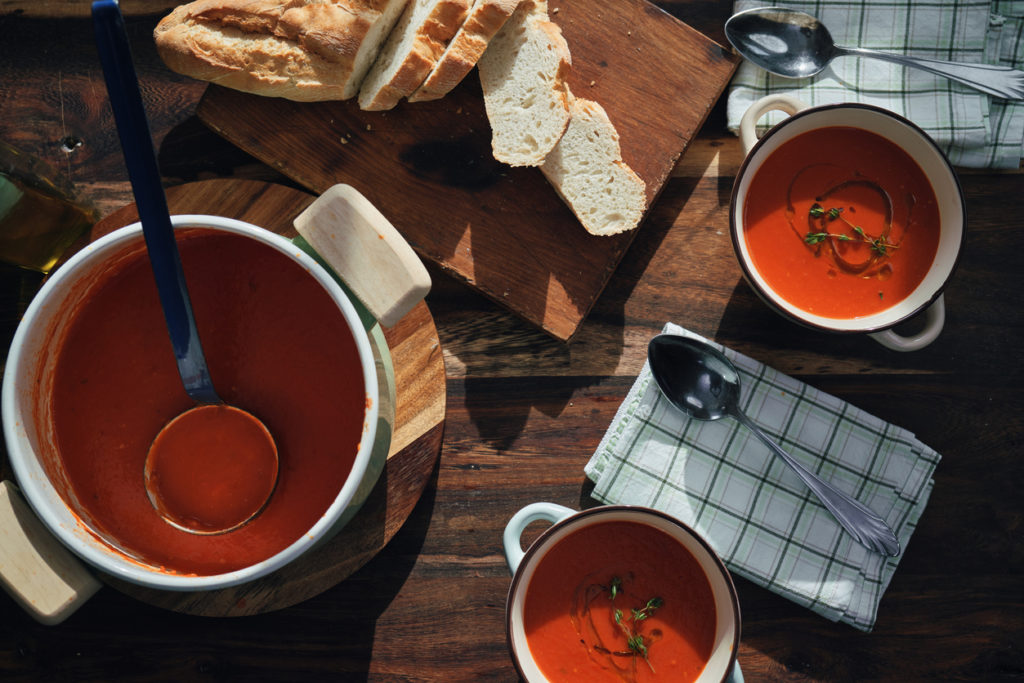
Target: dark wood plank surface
(525,412)
(503,230)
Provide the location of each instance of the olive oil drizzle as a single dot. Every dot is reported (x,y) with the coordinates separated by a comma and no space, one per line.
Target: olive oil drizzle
(817,229)
(622,656)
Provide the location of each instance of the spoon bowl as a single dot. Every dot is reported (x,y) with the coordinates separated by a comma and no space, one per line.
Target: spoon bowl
(211,469)
(701,382)
(696,378)
(794,44)
(784,42)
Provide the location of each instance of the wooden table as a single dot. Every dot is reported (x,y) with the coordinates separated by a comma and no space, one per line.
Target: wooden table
(525,412)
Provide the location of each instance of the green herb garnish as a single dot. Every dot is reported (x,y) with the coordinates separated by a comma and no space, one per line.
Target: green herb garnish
(877,244)
(635,640)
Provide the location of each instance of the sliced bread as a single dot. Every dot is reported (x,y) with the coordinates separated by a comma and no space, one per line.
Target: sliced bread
(414,46)
(300,50)
(485,19)
(523,75)
(587,170)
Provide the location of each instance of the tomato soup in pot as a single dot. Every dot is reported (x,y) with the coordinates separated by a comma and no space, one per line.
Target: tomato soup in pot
(276,346)
(617,594)
(841,222)
(618,602)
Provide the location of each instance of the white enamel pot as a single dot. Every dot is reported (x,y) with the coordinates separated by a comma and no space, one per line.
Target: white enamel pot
(50,583)
(721,666)
(927,297)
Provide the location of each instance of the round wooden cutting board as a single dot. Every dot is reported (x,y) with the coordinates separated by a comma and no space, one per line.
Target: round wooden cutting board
(416,440)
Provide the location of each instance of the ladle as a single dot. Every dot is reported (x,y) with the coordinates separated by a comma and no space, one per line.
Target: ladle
(195,478)
(794,44)
(700,381)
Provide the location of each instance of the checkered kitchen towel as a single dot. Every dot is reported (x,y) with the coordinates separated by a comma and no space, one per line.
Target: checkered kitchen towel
(760,518)
(974,129)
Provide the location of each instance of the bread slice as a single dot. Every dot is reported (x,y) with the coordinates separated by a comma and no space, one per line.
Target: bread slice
(304,50)
(587,170)
(485,19)
(523,75)
(414,46)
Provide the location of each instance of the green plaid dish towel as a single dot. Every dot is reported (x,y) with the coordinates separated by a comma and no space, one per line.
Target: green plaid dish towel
(764,523)
(973,129)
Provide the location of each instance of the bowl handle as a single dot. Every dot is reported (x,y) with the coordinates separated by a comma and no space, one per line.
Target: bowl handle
(748,124)
(42,576)
(551,512)
(935,318)
(365,251)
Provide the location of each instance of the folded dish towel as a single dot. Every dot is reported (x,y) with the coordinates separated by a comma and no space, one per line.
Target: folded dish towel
(764,523)
(974,130)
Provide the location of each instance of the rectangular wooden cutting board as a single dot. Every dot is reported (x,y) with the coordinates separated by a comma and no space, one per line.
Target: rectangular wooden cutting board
(428,166)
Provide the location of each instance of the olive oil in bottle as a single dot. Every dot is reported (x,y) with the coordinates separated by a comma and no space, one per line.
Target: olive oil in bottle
(39,219)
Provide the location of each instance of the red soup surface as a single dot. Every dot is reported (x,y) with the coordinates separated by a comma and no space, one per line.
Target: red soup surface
(841,222)
(276,346)
(619,601)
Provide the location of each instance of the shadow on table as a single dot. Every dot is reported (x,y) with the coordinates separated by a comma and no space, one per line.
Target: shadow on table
(325,637)
(191,151)
(750,326)
(497,347)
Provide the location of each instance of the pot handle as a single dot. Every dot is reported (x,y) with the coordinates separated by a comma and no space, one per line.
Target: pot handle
(42,576)
(367,254)
(935,318)
(551,512)
(748,124)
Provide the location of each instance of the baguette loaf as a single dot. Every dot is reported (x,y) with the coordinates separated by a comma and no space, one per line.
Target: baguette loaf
(587,171)
(485,19)
(412,49)
(525,94)
(303,50)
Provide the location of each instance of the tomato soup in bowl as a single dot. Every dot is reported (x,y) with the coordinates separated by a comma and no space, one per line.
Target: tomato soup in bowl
(847,218)
(615,594)
(92,379)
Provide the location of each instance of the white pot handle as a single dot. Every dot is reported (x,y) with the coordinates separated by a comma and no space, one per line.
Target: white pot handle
(935,318)
(42,576)
(748,124)
(551,512)
(371,257)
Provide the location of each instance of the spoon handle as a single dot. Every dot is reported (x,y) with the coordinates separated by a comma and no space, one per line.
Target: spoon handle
(998,81)
(866,526)
(144,174)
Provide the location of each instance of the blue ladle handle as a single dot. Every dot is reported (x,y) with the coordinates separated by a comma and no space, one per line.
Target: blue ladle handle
(140,158)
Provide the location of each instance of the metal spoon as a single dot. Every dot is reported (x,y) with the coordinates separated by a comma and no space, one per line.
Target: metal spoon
(705,385)
(144,174)
(794,44)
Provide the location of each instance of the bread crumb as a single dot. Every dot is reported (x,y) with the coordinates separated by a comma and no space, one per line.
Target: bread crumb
(368,127)
(555,11)
(593,83)
(344,141)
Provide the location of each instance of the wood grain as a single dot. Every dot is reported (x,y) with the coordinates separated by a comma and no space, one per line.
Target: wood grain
(415,445)
(525,412)
(429,168)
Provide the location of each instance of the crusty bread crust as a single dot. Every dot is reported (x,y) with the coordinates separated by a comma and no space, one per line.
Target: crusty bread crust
(308,50)
(485,19)
(295,49)
(412,49)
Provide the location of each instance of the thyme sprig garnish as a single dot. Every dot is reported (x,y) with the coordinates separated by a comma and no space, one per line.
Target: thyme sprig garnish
(877,244)
(630,626)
